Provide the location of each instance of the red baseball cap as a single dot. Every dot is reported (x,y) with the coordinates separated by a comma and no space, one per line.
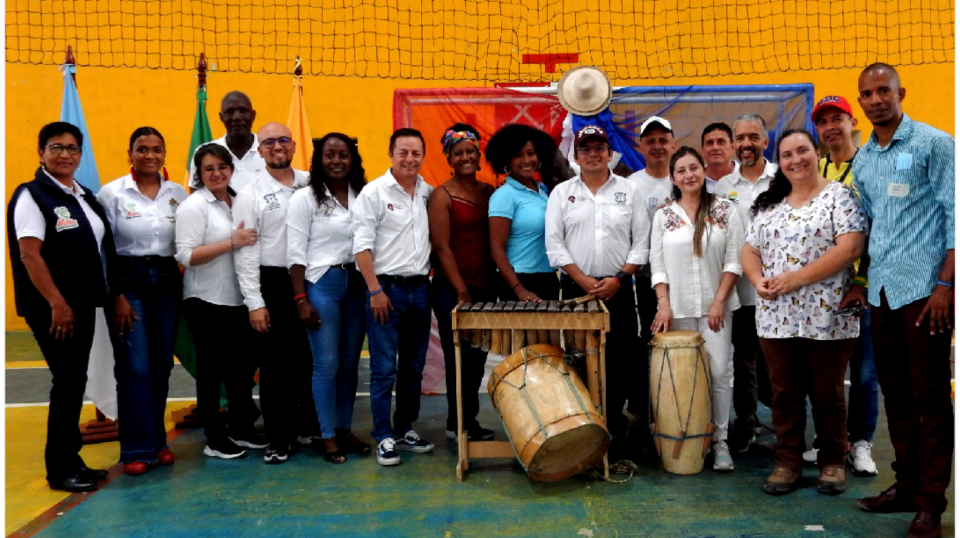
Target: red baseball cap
(831,101)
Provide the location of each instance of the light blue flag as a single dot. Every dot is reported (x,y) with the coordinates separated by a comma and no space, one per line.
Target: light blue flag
(72,112)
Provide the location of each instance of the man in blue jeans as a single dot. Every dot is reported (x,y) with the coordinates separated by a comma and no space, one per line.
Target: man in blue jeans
(391,242)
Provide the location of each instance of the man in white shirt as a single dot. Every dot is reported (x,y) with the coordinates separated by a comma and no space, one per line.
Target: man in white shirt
(598,234)
(716,145)
(657,146)
(391,242)
(286,365)
(237,115)
(750,379)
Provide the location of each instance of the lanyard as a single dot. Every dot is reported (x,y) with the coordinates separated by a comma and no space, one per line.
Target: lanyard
(845,172)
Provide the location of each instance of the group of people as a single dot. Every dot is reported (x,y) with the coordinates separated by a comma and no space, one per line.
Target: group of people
(287,271)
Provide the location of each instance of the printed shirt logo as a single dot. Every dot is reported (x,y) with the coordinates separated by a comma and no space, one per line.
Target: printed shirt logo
(65,222)
(174,204)
(572,199)
(653,202)
(271,201)
(620,197)
(829,99)
(425,199)
(132,212)
(732,196)
(390,207)
(398,206)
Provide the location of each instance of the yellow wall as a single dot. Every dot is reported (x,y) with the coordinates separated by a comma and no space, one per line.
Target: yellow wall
(117,101)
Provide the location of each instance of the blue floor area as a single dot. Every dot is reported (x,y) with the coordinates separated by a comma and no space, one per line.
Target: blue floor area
(308,497)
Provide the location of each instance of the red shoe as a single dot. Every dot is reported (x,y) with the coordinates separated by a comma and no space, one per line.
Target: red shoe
(135,468)
(165,457)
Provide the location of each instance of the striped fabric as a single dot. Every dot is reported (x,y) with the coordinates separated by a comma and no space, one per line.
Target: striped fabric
(907,189)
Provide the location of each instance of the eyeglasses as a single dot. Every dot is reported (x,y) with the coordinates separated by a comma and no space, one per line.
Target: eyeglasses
(587,150)
(57,149)
(284,141)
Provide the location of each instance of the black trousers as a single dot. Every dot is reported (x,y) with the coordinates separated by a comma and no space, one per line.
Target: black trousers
(639,389)
(622,353)
(286,364)
(751,382)
(223,339)
(68,360)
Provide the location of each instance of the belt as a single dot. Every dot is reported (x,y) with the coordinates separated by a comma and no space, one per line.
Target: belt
(408,281)
(345,266)
(146,260)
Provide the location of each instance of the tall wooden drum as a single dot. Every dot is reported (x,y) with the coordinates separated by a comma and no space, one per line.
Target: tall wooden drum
(548,414)
(680,400)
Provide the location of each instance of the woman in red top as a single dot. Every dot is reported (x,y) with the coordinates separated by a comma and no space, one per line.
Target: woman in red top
(460,236)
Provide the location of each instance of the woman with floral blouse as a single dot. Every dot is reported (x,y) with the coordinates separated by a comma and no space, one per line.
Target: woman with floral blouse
(805,234)
(695,248)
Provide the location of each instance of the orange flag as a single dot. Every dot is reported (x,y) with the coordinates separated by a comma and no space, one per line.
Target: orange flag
(298,124)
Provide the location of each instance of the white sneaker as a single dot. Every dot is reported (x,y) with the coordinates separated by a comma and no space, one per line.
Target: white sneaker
(810,456)
(721,457)
(859,459)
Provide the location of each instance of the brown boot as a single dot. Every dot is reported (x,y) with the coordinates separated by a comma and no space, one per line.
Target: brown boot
(832,480)
(925,525)
(780,481)
(889,501)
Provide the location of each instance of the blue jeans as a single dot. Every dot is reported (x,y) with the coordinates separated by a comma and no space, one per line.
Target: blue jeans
(863,408)
(398,352)
(338,298)
(144,356)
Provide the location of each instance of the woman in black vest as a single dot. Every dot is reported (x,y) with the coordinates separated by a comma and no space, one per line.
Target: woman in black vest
(61,253)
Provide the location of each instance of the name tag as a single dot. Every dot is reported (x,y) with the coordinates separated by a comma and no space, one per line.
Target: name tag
(904,161)
(898,190)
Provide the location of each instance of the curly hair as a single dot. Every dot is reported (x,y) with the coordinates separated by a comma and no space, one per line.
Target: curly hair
(356,177)
(780,186)
(511,138)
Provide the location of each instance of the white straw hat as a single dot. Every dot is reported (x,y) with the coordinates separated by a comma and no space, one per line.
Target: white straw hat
(584,91)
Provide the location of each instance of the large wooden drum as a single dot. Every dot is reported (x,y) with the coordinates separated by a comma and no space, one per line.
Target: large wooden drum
(680,400)
(552,423)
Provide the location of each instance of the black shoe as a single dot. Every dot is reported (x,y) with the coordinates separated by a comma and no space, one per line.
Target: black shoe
(250,440)
(76,483)
(225,450)
(94,475)
(276,453)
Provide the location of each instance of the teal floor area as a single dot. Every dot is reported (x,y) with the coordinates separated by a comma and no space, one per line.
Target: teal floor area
(308,497)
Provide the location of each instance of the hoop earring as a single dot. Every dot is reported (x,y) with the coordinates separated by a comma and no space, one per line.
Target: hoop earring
(539,164)
(506,169)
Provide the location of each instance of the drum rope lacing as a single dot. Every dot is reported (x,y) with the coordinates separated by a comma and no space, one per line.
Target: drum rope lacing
(696,373)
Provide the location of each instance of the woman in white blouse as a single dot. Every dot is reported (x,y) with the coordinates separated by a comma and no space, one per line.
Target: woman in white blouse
(805,234)
(213,304)
(141,208)
(328,289)
(695,260)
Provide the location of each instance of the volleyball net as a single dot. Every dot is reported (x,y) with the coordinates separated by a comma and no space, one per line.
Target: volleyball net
(483,40)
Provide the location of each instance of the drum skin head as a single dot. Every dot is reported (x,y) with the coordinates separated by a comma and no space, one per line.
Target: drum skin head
(677,339)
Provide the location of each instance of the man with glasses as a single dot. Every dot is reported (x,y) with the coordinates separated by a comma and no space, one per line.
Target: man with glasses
(237,115)
(285,360)
(598,234)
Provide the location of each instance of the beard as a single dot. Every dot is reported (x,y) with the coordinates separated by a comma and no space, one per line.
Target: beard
(280,165)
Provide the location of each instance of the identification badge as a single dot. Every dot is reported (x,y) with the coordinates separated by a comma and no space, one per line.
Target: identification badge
(904,161)
(898,190)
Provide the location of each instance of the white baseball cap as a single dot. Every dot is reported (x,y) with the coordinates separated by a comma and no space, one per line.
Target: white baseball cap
(655,120)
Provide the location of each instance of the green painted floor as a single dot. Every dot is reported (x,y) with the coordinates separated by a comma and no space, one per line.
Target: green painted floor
(200,497)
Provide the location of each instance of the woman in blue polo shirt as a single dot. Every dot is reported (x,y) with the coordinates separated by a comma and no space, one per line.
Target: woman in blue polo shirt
(518,210)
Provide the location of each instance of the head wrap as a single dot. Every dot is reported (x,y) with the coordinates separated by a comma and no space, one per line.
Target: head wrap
(452,138)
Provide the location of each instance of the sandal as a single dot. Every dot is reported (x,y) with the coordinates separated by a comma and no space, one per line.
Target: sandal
(336,457)
(351,443)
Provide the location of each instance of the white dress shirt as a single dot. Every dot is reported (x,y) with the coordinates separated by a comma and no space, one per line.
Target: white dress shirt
(262,206)
(601,232)
(693,281)
(742,193)
(204,220)
(652,190)
(393,226)
(246,169)
(712,183)
(319,237)
(141,226)
(28,221)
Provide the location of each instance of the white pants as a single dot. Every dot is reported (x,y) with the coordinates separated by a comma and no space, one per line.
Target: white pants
(719,351)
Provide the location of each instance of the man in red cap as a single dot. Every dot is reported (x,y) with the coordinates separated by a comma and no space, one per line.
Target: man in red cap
(834,119)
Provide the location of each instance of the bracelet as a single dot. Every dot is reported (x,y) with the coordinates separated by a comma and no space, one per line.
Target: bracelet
(514,288)
(942,283)
(301,296)
(661,297)
(861,280)
(617,280)
(372,293)
(233,246)
(301,300)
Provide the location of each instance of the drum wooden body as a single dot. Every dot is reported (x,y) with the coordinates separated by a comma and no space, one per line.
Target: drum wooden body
(548,413)
(680,400)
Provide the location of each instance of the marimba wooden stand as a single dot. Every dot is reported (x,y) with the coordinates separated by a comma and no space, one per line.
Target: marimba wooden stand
(509,324)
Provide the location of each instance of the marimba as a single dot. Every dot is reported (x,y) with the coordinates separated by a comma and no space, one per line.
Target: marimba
(505,328)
